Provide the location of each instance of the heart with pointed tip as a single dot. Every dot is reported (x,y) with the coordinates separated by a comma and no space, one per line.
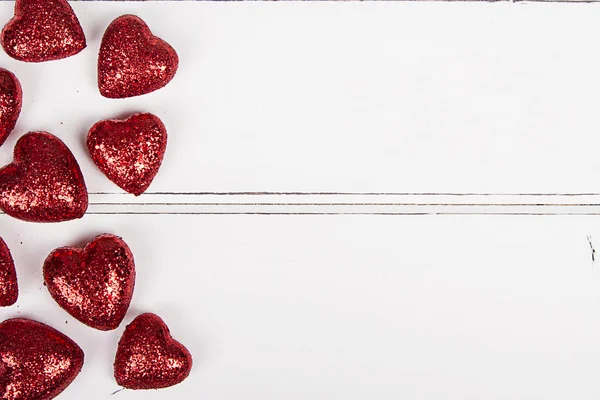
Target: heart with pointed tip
(9,289)
(11,99)
(129,152)
(44,182)
(43,30)
(132,61)
(148,357)
(38,362)
(94,284)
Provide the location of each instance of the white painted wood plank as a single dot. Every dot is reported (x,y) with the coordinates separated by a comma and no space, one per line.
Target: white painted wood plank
(348,97)
(355,307)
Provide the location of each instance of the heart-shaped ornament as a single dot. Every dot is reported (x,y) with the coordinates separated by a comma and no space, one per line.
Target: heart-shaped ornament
(148,357)
(132,61)
(44,182)
(94,284)
(11,98)
(43,30)
(9,289)
(37,362)
(129,152)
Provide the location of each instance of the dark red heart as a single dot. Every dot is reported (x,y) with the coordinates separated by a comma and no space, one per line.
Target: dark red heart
(132,61)
(148,357)
(9,289)
(43,30)
(94,284)
(44,182)
(37,362)
(11,98)
(129,152)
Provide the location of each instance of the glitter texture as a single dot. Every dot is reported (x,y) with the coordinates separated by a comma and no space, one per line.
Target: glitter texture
(94,284)
(129,152)
(44,182)
(148,357)
(9,289)
(132,61)
(37,361)
(11,98)
(42,30)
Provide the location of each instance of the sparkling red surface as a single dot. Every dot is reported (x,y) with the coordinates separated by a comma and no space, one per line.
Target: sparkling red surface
(43,30)
(9,289)
(129,152)
(44,182)
(132,61)
(36,361)
(11,99)
(148,357)
(94,284)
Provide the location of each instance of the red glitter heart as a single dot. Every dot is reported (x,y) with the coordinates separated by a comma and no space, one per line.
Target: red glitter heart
(148,357)
(44,182)
(9,289)
(132,61)
(43,30)
(94,284)
(11,98)
(129,152)
(37,361)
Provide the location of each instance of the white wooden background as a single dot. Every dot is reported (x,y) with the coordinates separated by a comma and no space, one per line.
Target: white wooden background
(358,201)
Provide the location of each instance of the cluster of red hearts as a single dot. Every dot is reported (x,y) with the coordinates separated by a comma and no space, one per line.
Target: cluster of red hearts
(45,184)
